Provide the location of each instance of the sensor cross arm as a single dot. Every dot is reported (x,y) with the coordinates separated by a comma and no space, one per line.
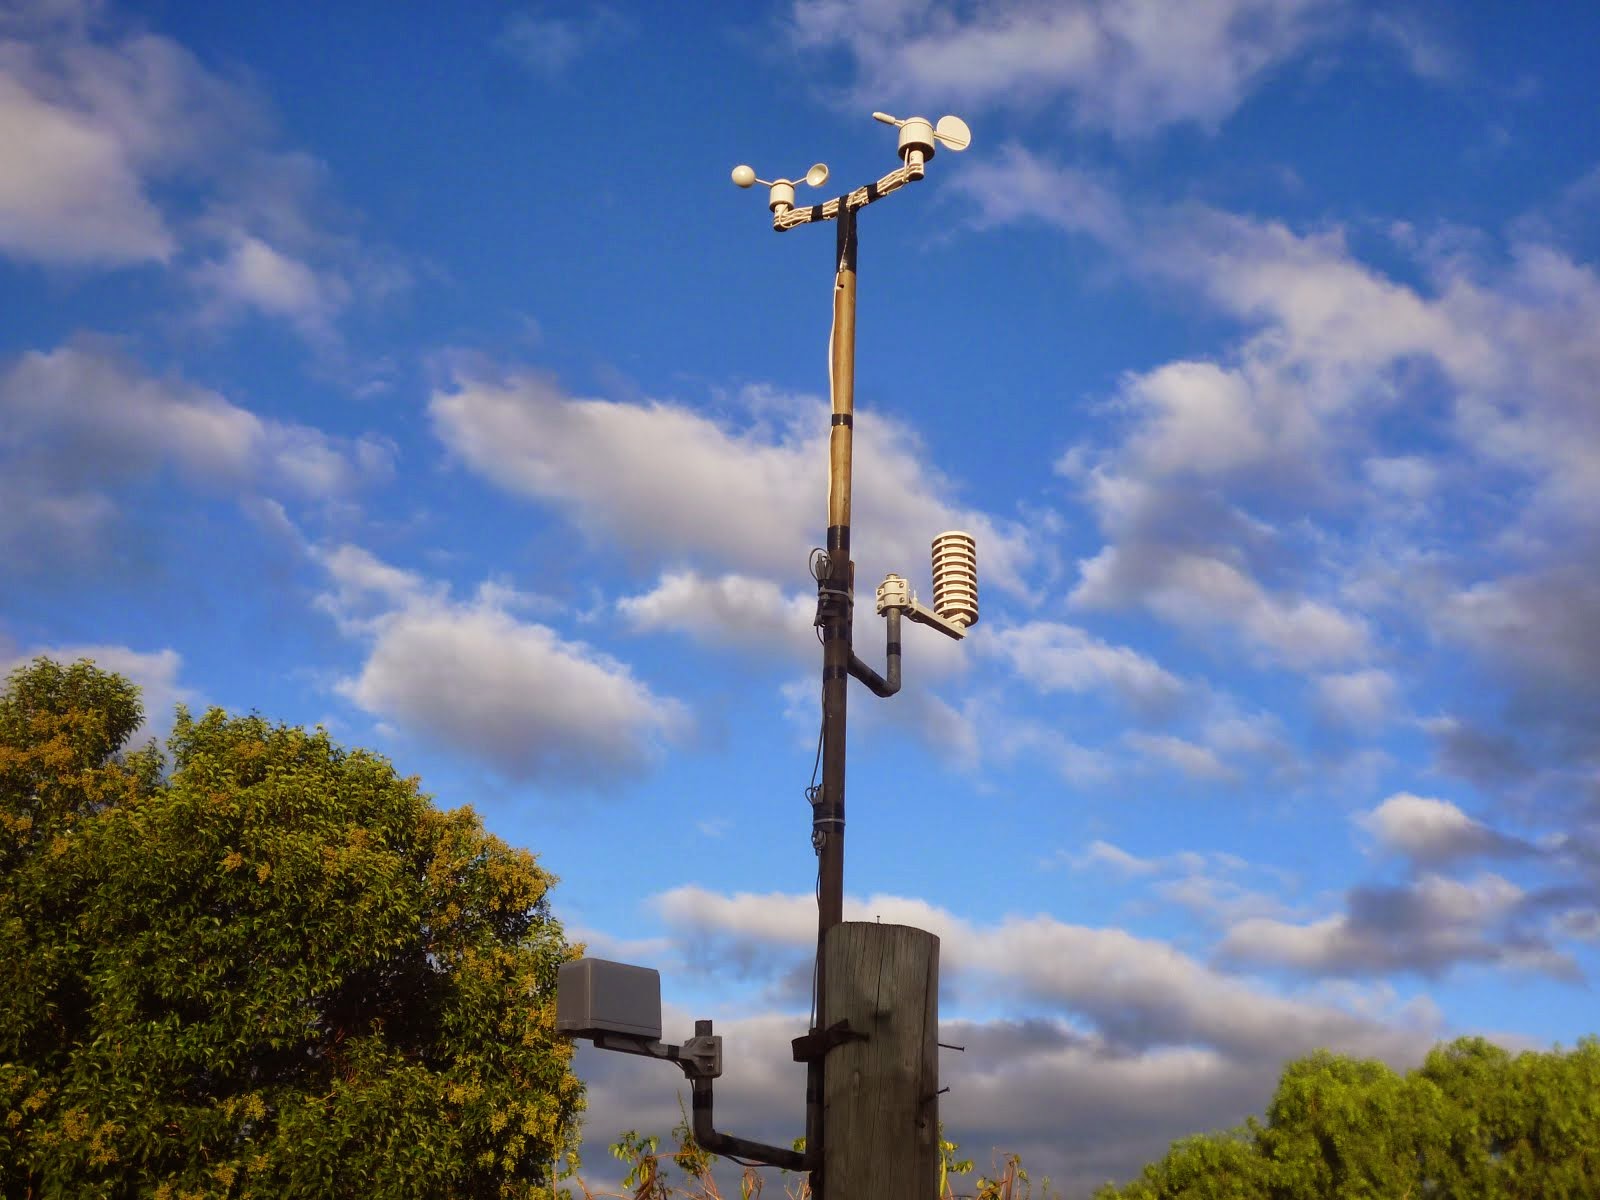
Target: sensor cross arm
(923,615)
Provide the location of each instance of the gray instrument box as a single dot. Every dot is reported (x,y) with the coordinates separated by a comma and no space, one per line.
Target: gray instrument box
(595,996)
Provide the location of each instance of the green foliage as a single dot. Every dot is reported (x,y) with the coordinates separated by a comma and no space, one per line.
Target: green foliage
(648,1178)
(278,972)
(1472,1123)
(949,1164)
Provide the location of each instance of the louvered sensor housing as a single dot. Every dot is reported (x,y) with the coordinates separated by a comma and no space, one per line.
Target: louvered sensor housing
(955,577)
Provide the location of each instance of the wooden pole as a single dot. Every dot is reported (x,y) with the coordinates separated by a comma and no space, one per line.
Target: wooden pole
(880,1100)
(834,611)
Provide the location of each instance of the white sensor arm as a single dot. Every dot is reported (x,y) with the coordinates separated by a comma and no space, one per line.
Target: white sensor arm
(923,615)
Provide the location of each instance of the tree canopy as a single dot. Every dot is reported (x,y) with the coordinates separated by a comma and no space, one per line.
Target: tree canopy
(1473,1122)
(275,970)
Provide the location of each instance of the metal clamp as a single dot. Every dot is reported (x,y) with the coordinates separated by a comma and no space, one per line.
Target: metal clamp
(701,1057)
(816,1044)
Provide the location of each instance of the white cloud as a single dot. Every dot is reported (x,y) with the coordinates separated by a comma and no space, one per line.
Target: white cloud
(1432,831)
(90,123)
(474,679)
(1335,335)
(1260,735)
(1427,926)
(1137,992)
(1533,623)
(1056,657)
(1192,879)
(1104,853)
(365,588)
(1201,591)
(1012,185)
(1195,761)
(251,274)
(737,610)
(1007,735)
(80,420)
(1221,901)
(1127,67)
(673,485)
(1363,698)
(1425,53)
(68,190)
(1408,476)
(97,122)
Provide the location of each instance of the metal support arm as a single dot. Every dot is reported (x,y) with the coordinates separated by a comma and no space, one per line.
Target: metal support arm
(709,1140)
(700,1057)
(878,684)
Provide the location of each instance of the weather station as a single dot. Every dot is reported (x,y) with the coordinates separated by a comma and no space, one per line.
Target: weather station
(872,1085)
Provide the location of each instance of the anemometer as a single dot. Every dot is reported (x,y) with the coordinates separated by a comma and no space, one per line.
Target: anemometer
(918,141)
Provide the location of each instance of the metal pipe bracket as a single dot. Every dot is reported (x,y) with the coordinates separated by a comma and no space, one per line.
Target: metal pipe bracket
(816,1044)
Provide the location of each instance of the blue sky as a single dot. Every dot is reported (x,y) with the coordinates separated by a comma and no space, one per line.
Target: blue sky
(424,376)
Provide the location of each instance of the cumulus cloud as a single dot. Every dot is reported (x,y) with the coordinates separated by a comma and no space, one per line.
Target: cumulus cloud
(96,121)
(1194,760)
(675,486)
(1136,992)
(1056,657)
(1124,66)
(475,679)
(1433,832)
(79,421)
(1203,591)
(1203,882)
(1078,1110)
(1220,901)
(80,199)
(88,125)
(1258,735)
(1013,185)
(1004,736)
(737,610)
(1538,625)
(1360,698)
(1427,926)
(251,274)
(1225,500)
(1334,336)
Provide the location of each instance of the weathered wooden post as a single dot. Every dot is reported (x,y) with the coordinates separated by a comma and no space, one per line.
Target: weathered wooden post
(880,1111)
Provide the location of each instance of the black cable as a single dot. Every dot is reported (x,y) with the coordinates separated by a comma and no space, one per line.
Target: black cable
(812,788)
(812,1023)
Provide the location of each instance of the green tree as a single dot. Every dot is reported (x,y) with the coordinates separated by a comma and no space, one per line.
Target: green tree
(1216,1166)
(277,971)
(1473,1122)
